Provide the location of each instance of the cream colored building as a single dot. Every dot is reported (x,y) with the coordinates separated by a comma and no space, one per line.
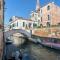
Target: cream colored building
(35,19)
(35,15)
(20,23)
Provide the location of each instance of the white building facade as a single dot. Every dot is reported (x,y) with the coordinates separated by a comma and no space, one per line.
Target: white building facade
(35,15)
(20,23)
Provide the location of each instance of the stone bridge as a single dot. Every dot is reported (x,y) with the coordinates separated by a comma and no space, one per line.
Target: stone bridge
(13,31)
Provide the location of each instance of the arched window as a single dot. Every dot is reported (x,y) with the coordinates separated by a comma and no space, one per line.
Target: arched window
(41,25)
(41,19)
(13,25)
(34,25)
(17,24)
(29,25)
(23,24)
(48,8)
(48,24)
(49,17)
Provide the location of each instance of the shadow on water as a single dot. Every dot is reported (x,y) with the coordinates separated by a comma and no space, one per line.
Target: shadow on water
(25,52)
(49,49)
(22,46)
(54,50)
(9,49)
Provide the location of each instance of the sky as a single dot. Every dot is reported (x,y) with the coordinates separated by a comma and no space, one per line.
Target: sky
(22,8)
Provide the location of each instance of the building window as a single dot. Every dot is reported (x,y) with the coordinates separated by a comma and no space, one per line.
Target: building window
(48,24)
(48,8)
(23,24)
(38,22)
(34,25)
(13,25)
(41,19)
(41,25)
(29,25)
(26,26)
(49,17)
(59,24)
(17,24)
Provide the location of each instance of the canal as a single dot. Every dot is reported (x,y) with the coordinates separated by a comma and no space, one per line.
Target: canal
(33,51)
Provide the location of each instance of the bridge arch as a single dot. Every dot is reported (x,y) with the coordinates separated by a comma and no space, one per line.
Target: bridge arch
(13,31)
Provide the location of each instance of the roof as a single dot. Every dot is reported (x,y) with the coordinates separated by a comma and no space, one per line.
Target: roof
(17,18)
(50,3)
